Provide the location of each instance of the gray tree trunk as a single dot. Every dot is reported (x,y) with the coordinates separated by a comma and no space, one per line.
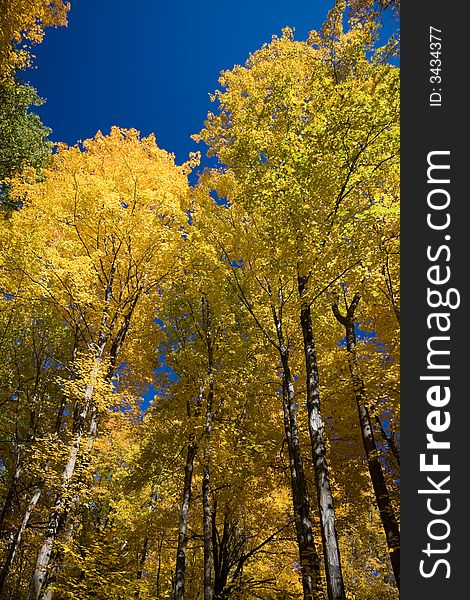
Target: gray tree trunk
(179,584)
(207,530)
(38,583)
(207,338)
(16,542)
(382,495)
(308,556)
(11,490)
(334,575)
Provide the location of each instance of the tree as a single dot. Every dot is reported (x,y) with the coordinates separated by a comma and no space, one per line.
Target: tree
(114,211)
(23,137)
(264,292)
(179,414)
(33,349)
(308,134)
(25,22)
(387,513)
(219,366)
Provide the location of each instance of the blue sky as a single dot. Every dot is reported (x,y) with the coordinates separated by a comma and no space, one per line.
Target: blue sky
(151,65)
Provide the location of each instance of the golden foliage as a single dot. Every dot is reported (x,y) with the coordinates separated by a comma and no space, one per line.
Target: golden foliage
(23,22)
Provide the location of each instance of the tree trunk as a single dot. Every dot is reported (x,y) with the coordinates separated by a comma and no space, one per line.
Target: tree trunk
(13,549)
(54,526)
(159,567)
(38,584)
(15,543)
(308,556)
(142,559)
(11,490)
(382,496)
(206,503)
(390,441)
(206,507)
(221,555)
(57,517)
(215,552)
(334,576)
(183,523)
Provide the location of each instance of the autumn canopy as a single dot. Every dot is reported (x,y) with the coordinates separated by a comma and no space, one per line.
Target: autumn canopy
(260,306)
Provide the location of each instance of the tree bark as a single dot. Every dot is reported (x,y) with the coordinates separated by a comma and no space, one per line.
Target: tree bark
(57,517)
(15,543)
(308,556)
(222,558)
(215,552)
(390,441)
(206,507)
(142,559)
(11,490)
(382,495)
(206,502)
(13,549)
(159,567)
(334,576)
(180,570)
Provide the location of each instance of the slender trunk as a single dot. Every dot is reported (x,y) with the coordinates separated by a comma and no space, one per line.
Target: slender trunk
(7,506)
(38,584)
(382,495)
(142,559)
(67,527)
(93,428)
(183,523)
(308,556)
(389,440)
(334,576)
(14,538)
(57,517)
(13,549)
(206,503)
(215,552)
(11,490)
(221,555)
(159,567)
(206,507)
(17,538)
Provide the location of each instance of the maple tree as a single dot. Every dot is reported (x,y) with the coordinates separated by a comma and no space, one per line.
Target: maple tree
(387,512)
(114,213)
(23,23)
(308,140)
(264,460)
(23,136)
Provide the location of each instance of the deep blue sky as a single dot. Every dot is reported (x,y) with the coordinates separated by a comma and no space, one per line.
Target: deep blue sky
(152,64)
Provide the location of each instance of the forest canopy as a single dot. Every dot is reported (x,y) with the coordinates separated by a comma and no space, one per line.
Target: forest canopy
(258,306)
